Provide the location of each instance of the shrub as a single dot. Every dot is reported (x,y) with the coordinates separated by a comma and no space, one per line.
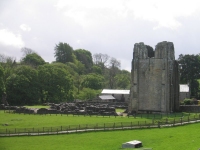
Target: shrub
(187,102)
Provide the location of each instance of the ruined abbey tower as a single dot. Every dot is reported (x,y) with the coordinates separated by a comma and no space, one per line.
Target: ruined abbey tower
(155,79)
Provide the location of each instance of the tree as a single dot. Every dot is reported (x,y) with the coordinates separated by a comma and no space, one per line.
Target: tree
(2,84)
(56,85)
(22,86)
(80,68)
(88,94)
(84,57)
(190,72)
(7,59)
(27,51)
(93,81)
(123,79)
(101,60)
(63,53)
(96,69)
(33,59)
(113,70)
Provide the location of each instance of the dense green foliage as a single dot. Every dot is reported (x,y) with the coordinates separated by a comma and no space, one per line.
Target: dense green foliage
(85,57)
(55,83)
(33,59)
(93,81)
(190,102)
(22,86)
(74,74)
(2,86)
(63,53)
(190,72)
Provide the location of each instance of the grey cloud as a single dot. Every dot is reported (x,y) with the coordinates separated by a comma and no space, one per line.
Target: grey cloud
(104,32)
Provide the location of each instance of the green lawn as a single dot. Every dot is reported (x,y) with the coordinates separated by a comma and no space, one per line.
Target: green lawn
(30,121)
(35,121)
(120,110)
(175,138)
(37,106)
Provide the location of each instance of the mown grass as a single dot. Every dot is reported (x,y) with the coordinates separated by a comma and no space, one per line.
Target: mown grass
(120,110)
(35,121)
(37,106)
(175,138)
(30,121)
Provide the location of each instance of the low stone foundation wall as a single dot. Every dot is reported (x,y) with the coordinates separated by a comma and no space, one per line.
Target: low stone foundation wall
(190,108)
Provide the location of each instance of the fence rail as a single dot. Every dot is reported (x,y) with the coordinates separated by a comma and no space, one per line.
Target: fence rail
(154,123)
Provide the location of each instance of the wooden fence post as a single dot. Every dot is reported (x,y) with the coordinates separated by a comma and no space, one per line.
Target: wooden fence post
(158,124)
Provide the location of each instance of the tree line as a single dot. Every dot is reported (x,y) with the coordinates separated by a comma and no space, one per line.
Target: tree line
(75,74)
(189,68)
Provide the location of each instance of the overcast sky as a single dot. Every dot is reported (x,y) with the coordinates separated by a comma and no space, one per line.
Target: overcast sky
(109,27)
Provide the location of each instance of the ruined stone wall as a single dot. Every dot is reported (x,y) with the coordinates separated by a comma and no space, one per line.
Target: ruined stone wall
(154,78)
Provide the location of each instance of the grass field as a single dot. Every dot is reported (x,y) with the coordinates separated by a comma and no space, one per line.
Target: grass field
(37,106)
(175,138)
(29,121)
(183,137)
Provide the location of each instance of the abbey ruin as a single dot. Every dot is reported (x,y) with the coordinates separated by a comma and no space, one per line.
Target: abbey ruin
(155,79)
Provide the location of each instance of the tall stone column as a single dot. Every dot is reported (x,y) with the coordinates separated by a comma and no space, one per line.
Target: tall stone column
(153,84)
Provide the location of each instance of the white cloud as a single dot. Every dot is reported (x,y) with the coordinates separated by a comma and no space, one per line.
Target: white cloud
(9,38)
(25,27)
(89,13)
(164,13)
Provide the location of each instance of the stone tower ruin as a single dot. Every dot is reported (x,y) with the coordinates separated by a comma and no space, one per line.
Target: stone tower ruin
(155,79)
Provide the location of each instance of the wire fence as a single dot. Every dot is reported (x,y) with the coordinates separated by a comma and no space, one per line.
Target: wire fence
(146,115)
(154,123)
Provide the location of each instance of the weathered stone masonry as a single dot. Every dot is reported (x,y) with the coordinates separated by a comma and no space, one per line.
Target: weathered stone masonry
(155,79)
